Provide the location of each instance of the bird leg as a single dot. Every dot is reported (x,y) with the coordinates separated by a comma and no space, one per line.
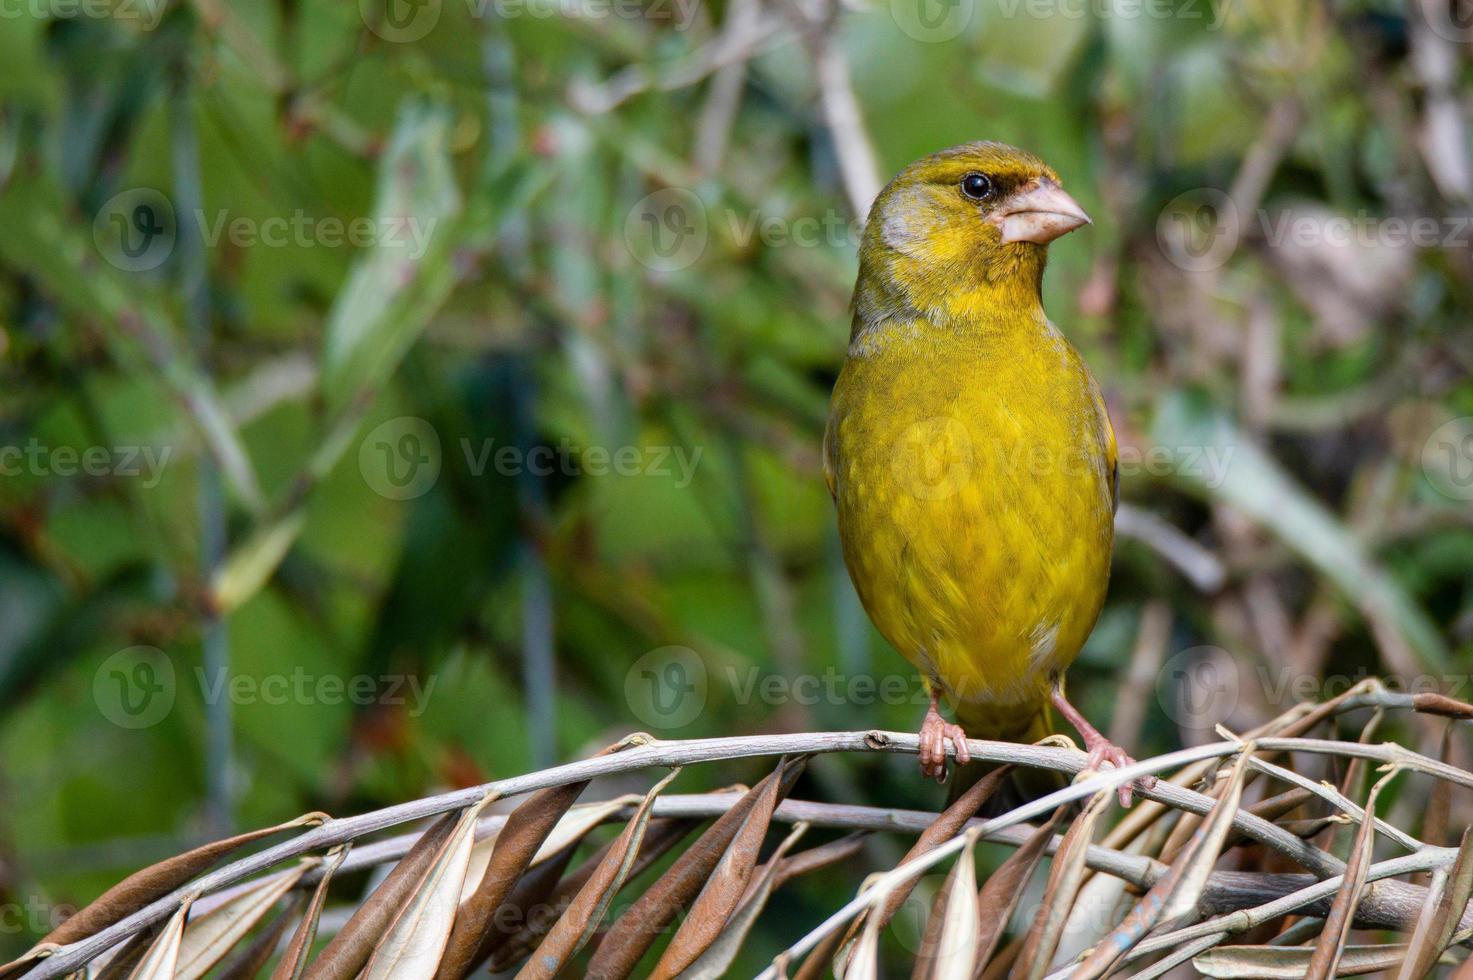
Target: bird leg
(1101,750)
(935,733)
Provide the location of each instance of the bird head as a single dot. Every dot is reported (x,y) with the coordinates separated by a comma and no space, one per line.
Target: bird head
(969,225)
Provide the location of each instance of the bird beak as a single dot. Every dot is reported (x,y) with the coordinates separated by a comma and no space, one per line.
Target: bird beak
(1039,213)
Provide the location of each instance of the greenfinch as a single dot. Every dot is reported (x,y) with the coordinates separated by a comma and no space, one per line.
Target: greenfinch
(969,452)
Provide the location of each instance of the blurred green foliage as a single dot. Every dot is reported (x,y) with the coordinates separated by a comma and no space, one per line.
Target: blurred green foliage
(179,273)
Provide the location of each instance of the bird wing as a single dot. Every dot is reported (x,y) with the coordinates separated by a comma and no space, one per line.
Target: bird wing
(1112,453)
(829,466)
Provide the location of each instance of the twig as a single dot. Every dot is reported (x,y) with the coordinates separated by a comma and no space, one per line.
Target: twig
(857,161)
(1333,796)
(1280,128)
(728,49)
(725,97)
(855,153)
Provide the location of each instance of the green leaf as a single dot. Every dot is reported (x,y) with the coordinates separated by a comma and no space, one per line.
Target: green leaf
(401,280)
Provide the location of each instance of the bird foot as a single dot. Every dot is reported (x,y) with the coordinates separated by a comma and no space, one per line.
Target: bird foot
(1103,752)
(935,733)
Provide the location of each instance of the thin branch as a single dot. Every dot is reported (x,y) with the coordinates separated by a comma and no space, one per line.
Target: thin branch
(730,48)
(1333,796)
(856,155)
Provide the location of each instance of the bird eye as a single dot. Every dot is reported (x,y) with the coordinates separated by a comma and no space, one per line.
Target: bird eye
(977,186)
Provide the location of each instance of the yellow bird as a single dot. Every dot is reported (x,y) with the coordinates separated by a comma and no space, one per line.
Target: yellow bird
(969,451)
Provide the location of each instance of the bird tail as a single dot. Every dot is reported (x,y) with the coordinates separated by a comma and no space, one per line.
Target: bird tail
(1026,784)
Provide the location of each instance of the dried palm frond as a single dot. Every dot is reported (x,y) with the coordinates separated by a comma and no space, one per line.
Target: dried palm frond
(461,892)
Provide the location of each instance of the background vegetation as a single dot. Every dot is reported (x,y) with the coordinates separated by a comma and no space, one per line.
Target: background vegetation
(604,228)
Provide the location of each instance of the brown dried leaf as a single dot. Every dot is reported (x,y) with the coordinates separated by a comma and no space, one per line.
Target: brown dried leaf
(1003,889)
(818,858)
(629,938)
(946,826)
(254,957)
(578,823)
(1331,944)
(1058,897)
(931,934)
(528,909)
(294,961)
(347,952)
(723,889)
(1438,704)
(1274,807)
(1206,846)
(1428,944)
(1187,824)
(942,829)
(1355,774)
(1459,890)
(1308,828)
(157,880)
(122,963)
(659,838)
(1440,800)
(1176,893)
(480,860)
(1355,771)
(519,842)
(410,949)
(1421,949)
(213,935)
(821,959)
(864,959)
(949,951)
(1002,964)
(717,958)
(159,962)
(577,925)
(1291,962)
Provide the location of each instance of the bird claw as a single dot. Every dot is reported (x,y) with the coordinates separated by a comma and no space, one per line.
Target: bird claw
(1103,752)
(935,733)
